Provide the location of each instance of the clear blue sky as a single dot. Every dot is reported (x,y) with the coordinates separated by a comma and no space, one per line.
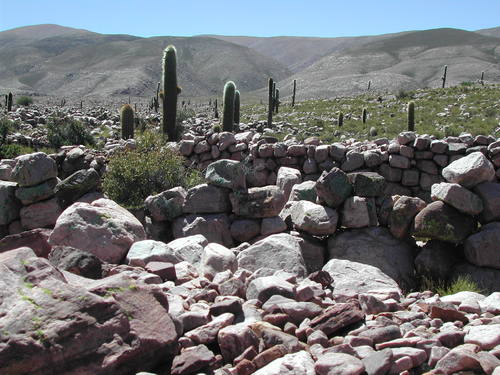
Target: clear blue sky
(327,18)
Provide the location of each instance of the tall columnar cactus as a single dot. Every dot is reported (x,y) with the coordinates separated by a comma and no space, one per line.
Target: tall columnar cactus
(411,116)
(443,78)
(216,110)
(170,92)
(340,119)
(482,78)
(364,115)
(274,96)
(228,109)
(277,100)
(237,107)
(270,103)
(294,89)
(127,121)
(9,102)
(369,85)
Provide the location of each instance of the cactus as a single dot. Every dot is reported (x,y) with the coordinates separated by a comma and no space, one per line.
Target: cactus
(270,103)
(340,119)
(443,78)
(237,107)
(364,115)
(411,116)
(170,92)
(277,100)
(482,79)
(216,111)
(274,96)
(369,85)
(127,121)
(228,108)
(293,95)
(9,102)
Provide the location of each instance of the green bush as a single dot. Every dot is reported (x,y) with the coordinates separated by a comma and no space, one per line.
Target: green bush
(5,128)
(133,175)
(461,284)
(24,100)
(62,132)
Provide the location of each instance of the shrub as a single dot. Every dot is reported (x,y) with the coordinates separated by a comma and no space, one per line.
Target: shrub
(24,100)
(133,175)
(64,132)
(460,284)
(5,128)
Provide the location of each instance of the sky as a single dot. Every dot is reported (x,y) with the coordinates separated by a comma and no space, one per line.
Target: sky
(323,18)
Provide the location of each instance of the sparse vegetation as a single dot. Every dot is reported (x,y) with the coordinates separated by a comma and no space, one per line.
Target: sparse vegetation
(444,288)
(150,169)
(64,132)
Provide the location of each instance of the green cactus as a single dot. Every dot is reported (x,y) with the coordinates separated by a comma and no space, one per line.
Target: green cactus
(170,92)
(216,111)
(411,116)
(341,119)
(270,103)
(482,79)
(9,102)
(274,96)
(127,121)
(443,78)
(364,115)
(237,107)
(228,109)
(294,89)
(277,100)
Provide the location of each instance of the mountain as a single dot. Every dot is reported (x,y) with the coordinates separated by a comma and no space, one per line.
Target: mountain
(403,61)
(61,61)
(55,60)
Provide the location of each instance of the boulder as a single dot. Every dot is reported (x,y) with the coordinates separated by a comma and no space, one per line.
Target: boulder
(245,229)
(278,252)
(145,251)
(32,169)
(166,205)
(262,288)
(353,278)
(9,205)
(75,186)
(338,364)
(333,187)
(76,261)
(376,247)
(300,363)
(40,192)
(234,340)
(102,228)
(442,222)
(258,202)
(458,197)
(189,248)
(215,228)
(488,279)
(367,184)
(287,178)
(192,361)
(42,214)
(207,199)
(470,170)
(403,212)
(35,239)
(217,258)
(314,218)
(226,173)
(272,225)
(305,191)
(358,212)
(436,259)
(482,248)
(120,334)
(489,192)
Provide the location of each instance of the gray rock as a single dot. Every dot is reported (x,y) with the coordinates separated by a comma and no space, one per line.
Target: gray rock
(272,225)
(481,249)
(143,252)
(278,252)
(398,161)
(403,212)
(42,214)
(353,278)
(359,212)
(287,178)
(436,260)
(226,173)
(262,288)
(470,170)
(32,169)
(376,247)
(299,363)
(314,218)
(76,261)
(245,229)
(488,279)
(189,248)
(333,187)
(207,199)
(258,202)
(338,364)
(457,196)
(9,205)
(305,191)
(354,160)
(215,228)
(40,192)
(367,184)
(166,205)
(75,186)
(217,258)
(489,192)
